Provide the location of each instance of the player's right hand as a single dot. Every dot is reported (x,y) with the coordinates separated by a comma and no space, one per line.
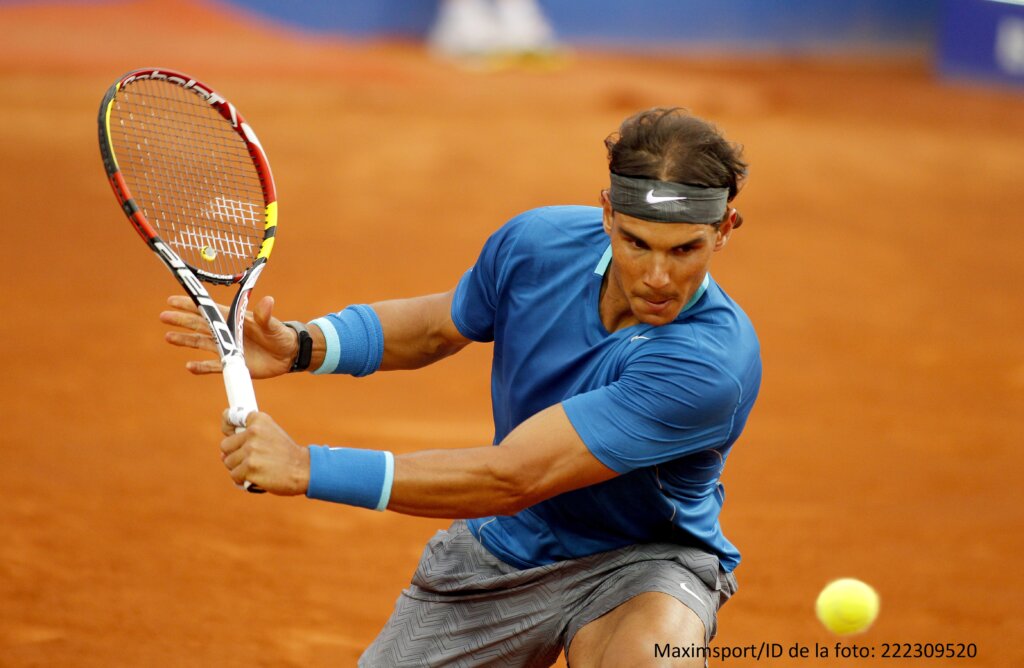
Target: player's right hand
(270,347)
(264,455)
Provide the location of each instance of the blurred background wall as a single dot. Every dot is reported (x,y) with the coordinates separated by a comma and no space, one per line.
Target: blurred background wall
(744,24)
(978,39)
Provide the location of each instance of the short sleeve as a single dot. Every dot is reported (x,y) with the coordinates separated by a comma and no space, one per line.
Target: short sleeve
(659,409)
(476,299)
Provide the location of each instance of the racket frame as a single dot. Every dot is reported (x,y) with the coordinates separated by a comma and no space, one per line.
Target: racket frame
(227,337)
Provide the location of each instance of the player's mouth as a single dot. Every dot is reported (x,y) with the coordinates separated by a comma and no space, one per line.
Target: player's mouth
(656,304)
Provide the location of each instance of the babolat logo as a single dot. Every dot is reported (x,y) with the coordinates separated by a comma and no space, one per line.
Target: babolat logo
(188,84)
(219,328)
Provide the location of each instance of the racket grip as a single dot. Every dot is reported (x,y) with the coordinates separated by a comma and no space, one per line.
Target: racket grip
(241,399)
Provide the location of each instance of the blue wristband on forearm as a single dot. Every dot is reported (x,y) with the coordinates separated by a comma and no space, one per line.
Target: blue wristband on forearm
(355,341)
(351,476)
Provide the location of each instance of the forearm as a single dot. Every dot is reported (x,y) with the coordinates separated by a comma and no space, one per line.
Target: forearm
(541,458)
(455,484)
(414,333)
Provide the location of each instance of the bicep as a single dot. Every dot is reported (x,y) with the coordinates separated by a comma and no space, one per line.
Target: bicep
(547,457)
(541,458)
(418,331)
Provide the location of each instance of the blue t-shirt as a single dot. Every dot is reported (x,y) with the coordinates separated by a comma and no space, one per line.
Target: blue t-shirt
(661,405)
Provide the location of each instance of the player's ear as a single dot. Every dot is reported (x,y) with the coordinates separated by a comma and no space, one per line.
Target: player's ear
(725,228)
(606,207)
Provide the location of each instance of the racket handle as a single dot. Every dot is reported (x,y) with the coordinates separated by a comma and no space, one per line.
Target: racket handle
(241,399)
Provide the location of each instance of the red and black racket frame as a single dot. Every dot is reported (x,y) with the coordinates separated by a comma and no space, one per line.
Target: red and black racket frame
(228,340)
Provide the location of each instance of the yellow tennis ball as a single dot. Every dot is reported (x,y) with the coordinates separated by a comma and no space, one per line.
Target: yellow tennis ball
(847,606)
(209,253)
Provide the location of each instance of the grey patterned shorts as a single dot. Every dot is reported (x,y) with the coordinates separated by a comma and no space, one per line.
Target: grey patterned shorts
(467,608)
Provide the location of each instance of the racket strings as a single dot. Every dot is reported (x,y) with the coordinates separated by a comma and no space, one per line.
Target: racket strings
(191,173)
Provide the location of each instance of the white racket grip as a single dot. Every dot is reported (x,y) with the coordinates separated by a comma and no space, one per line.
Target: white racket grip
(241,399)
(241,396)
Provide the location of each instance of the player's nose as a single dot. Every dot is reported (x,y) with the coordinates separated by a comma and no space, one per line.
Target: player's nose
(656,274)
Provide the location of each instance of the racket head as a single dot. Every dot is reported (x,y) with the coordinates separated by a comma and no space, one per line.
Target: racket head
(188,171)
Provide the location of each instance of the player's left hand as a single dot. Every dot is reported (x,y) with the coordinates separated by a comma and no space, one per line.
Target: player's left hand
(270,347)
(264,455)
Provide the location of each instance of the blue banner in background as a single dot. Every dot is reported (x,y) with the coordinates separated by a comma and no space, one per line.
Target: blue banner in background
(749,24)
(353,18)
(644,24)
(983,39)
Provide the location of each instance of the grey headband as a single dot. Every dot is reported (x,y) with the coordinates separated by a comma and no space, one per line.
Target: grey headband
(664,202)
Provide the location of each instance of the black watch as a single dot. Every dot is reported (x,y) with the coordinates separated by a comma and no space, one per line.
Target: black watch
(301,362)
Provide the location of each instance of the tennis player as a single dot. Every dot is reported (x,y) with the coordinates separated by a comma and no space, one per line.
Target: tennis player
(622,377)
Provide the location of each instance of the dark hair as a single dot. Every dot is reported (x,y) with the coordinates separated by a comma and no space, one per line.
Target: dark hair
(670,144)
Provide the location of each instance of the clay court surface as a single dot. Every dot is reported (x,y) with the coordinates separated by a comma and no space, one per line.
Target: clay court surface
(880,261)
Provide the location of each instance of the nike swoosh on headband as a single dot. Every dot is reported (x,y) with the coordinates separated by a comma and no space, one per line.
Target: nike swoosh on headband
(655,199)
(678,202)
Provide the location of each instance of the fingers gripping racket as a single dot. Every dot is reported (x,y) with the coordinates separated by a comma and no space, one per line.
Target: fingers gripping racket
(191,176)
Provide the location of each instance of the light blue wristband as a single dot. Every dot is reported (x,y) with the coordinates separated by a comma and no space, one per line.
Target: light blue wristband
(351,476)
(355,341)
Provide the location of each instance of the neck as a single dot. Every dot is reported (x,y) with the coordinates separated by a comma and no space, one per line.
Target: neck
(613,308)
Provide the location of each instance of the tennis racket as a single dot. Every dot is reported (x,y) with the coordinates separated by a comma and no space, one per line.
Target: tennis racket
(191,176)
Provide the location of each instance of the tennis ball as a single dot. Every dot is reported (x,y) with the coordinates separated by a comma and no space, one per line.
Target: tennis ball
(847,606)
(209,254)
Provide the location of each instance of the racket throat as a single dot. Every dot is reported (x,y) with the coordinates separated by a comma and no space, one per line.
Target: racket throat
(236,314)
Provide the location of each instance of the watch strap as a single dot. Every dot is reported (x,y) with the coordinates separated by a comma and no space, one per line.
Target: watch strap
(305,352)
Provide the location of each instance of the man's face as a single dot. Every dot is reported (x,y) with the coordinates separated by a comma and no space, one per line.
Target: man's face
(656,267)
